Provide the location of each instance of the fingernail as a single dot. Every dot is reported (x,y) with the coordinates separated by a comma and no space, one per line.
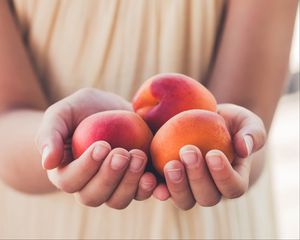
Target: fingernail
(189,157)
(99,152)
(215,161)
(147,185)
(119,161)
(249,144)
(136,163)
(175,175)
(45,154)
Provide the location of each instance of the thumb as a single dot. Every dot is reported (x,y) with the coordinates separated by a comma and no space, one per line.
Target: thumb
(251,135)
(51,137)
(247,129)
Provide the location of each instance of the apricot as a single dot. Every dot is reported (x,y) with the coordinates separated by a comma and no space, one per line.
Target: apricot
(165,95)
(205,129)
(117,127)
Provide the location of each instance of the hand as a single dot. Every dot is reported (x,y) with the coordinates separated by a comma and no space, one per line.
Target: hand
(205,179)
(100,175)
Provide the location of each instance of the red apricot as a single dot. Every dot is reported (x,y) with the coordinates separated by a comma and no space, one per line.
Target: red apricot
(165,95)
(119,128)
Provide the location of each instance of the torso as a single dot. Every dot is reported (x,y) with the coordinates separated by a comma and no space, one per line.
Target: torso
(116,46)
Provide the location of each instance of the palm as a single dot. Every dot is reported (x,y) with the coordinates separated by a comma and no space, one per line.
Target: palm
(204,182)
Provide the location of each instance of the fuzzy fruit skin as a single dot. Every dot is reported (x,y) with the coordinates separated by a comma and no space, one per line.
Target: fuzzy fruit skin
(119,128)
(165,95)
(204,129)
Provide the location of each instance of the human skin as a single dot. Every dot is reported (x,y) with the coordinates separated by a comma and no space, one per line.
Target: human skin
(250,70)
(25,104)
(252,77)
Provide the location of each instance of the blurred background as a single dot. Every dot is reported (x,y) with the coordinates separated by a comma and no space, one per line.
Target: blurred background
(283,151)
(284,156)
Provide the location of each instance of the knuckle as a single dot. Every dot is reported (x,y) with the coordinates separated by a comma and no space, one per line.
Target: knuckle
(109,186)
(177,190)
(66,186)
(225,179)
(87,166)
(60,182)
(188,206)
(108,183)
(199,175)
(89,201)
(119,205)
(131,181)
(235,193)
(142,196)
(209,202)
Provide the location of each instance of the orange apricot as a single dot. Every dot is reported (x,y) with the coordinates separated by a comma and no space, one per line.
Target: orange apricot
(205,129)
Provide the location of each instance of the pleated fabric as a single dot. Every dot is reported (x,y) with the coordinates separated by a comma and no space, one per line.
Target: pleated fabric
(115,46)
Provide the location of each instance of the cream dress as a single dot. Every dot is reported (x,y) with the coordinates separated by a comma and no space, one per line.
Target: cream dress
(115,46)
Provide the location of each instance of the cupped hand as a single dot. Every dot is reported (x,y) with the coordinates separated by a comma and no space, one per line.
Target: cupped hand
(206,179)
(101,174)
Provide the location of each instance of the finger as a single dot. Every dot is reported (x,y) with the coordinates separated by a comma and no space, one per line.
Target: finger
(202,185)
(231,182)
(249,134)
(161,192)
(53,134)
(68,155)
(146,186)
(127,188)
(106,180)
(178,185)
(72,177)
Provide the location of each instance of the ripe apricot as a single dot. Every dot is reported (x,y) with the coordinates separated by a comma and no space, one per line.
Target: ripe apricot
(165,95)
(205,129)
(119,128)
